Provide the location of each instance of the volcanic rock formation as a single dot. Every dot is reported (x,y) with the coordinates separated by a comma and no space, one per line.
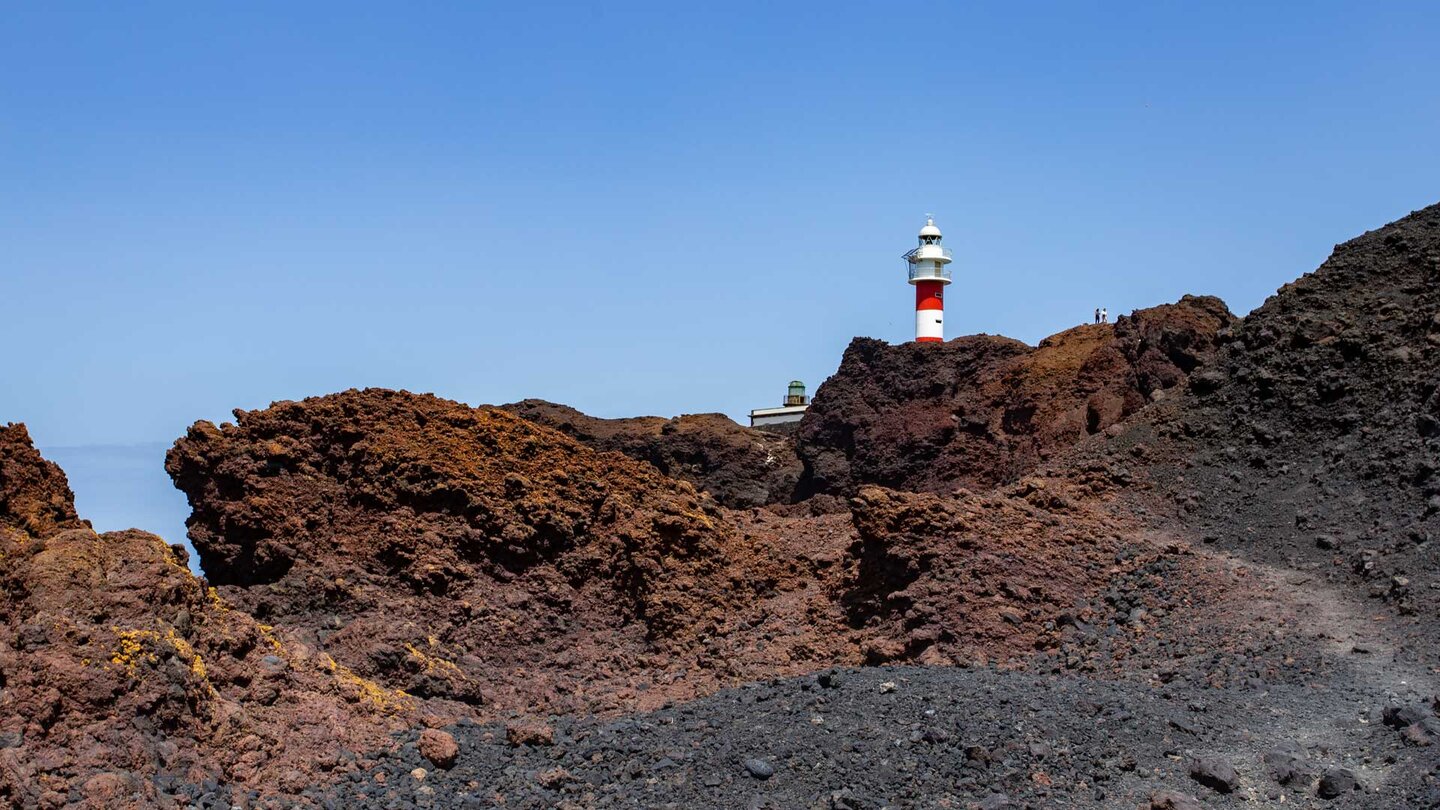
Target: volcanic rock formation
(977,575)
(1317,427)
(35,498)
(738,466)
(980,411)
(468,554)
(122,677)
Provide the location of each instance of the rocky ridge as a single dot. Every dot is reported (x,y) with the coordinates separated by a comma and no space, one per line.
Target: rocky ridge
(1319,425)
(738,466)
(471,556)
(35,497)
(981,411)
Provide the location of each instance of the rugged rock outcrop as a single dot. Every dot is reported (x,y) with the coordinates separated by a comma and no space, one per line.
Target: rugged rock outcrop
(1338,370)
(469,555)
(1315,434)
(35,498)
(123,677)
(981,411)
(979,576)
(1049,576)
(738,466)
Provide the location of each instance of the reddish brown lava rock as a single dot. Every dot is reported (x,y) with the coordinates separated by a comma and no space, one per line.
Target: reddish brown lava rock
(468,555)
(488,565)
(738,466)
(1052,574)
(951,579)
(529,731)
(439,747)
(35,498)
(117,663)
(980,411)
(419,556)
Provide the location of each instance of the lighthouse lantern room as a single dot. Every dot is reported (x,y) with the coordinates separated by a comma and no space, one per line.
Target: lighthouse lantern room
(929,274)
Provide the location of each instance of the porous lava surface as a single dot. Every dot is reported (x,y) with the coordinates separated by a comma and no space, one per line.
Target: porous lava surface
(35,497)
(126,683)
(740,467)
(980,411)
(1309,442)
(974,576)
(493,566)
(471,556)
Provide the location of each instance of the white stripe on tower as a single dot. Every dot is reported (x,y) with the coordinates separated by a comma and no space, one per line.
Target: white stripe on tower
(929,311)
(928,326)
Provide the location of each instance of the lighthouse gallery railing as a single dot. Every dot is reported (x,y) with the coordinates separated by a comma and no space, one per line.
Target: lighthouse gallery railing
(924,272)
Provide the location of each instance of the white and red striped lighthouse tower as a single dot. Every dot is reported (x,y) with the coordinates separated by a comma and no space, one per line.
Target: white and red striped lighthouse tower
(929,275)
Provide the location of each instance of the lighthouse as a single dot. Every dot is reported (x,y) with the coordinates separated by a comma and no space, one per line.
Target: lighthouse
(785,419)
(929,274)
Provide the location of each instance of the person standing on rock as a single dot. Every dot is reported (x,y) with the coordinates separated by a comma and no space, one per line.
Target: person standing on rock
(1097,315)
(1104,315)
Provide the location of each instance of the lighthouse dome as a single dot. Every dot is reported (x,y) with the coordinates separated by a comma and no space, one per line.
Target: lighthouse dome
(930,229)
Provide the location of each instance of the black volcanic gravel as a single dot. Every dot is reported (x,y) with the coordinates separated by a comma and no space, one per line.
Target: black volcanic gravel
(939,738)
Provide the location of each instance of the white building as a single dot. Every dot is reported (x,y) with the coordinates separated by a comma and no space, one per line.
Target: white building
(783,418)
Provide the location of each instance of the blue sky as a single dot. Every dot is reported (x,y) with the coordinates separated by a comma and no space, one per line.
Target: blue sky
(649,207)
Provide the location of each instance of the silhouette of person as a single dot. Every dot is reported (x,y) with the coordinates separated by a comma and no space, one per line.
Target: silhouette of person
(1097,314)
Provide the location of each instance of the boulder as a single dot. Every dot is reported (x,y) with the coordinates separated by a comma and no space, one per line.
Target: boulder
(1336,782)
(529,731)
(439,747)
(1214,773)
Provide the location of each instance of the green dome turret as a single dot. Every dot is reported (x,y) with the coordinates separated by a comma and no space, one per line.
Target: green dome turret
(795,394)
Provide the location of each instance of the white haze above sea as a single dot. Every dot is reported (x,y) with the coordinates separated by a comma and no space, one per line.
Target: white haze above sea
(125,487)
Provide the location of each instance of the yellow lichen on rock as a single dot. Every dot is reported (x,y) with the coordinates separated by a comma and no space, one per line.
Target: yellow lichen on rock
(365,690)
(434,665)
(167,553)
(267,632)
(136,647)
(131,651)
(213,597)
(197,664)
